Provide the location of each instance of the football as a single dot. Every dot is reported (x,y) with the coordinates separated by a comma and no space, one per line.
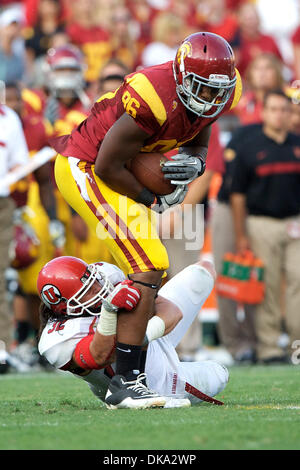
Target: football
(146,167)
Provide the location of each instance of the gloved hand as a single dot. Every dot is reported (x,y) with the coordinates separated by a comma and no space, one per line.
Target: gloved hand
(124,296)
(183,168)
(57,233)
(164,202)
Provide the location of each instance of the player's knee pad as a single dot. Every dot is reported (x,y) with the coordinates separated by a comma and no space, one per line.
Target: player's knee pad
(200,282)
(191,286)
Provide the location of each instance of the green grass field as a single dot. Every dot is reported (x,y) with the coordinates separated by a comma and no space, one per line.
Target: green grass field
(57,411)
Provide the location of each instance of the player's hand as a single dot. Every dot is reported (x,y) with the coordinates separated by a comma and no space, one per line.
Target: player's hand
(183,168)
(57,233)
(124,296)
(165,202)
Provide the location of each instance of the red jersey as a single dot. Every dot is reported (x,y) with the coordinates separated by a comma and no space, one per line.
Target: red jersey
(69,117)
(150,97)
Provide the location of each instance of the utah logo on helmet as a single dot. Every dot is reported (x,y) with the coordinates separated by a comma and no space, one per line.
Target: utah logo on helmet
(51,295)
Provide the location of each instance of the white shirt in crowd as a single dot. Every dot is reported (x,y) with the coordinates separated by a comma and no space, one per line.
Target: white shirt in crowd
(157,53)
(13,147)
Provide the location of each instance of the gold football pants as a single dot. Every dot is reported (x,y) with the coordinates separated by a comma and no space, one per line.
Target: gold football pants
(127,228)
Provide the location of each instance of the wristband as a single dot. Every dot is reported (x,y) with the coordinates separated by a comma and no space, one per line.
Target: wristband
(107,324)
(146,197)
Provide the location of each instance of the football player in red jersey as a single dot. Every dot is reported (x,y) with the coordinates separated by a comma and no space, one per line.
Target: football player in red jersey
(66,85)
(157,109)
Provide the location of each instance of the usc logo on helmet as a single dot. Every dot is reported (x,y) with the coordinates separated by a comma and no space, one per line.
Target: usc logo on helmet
(185,50)
(51,294)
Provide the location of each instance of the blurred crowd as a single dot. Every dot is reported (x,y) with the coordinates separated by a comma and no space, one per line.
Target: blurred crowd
(57,57)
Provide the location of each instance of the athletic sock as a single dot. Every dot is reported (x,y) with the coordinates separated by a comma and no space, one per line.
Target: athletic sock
(22,331)
(128,358)
(143,361)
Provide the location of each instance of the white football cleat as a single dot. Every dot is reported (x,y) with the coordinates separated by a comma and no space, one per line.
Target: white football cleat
(173,402)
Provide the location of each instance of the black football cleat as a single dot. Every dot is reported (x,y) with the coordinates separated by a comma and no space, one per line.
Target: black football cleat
(132,394)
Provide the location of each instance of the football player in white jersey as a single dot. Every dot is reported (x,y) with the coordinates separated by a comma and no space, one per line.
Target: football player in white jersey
(79,310)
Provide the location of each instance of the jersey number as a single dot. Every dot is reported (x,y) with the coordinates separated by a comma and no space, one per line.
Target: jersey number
(130,104)
(57,326)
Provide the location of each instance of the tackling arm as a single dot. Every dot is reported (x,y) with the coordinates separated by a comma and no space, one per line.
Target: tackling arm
(97,351)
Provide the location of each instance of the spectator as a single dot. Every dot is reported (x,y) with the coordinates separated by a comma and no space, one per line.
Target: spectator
(93,40)
(264,73)
(167,33)
(48,31)
(143,14)
(12,155)
(111,76)
(266,186)
(252,41)
(214,16)
(123,45)
(31,8)
(12,65)
(40,38)
(187,12)
(236,334)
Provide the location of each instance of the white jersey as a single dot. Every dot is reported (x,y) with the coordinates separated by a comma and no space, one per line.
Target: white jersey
(165,373)
(13,147)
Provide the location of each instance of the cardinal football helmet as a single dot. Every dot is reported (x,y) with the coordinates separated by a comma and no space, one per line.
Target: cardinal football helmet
(204,59)
(24,249)
(64,282)
(66,68)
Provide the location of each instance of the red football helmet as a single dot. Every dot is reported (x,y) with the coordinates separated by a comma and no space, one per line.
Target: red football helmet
(64,281)
(204,59)
(24,248)
(67,66)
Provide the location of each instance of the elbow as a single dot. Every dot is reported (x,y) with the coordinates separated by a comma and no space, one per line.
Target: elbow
(178,316)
